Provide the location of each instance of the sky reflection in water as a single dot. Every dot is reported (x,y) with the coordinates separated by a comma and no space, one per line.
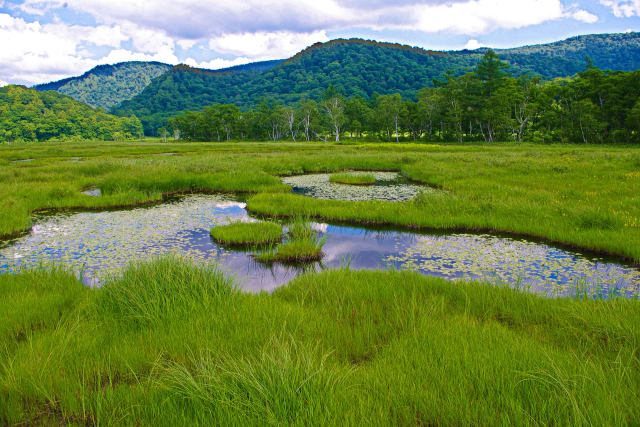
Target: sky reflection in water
(98,244)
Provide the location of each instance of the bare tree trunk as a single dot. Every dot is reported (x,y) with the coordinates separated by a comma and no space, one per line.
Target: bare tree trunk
(396,122)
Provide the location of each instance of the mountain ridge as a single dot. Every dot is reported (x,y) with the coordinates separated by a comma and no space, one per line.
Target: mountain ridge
(107,85)
(364,67)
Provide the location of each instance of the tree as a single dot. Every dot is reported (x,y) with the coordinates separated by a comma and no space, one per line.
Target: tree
(429,107)
(333,107)
(308,114)
(491,74)
(228,115)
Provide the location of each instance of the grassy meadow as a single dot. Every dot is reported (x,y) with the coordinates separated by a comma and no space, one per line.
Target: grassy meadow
(582,196)
(171,343)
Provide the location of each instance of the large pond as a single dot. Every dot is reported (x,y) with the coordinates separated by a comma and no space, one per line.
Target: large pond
(98,244)
(389,186)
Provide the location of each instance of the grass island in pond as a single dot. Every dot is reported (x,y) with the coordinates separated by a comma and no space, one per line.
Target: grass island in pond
(247,233)
(353,179)
(303,245)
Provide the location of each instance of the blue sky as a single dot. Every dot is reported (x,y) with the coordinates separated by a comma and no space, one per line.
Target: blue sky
(45,40)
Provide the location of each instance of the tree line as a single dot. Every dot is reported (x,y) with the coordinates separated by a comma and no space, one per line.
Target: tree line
(487,104)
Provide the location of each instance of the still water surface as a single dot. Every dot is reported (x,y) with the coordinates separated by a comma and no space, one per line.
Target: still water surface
(98,244)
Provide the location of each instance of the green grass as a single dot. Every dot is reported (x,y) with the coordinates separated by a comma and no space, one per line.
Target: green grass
(172,343)
(352,179)
(582,196)
(302,246)
(293,251)
(247,233)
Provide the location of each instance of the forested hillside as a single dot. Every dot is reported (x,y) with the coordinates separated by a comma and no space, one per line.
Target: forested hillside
(29,115)
(359,67)
(608,51)
(108,85)
(487,104)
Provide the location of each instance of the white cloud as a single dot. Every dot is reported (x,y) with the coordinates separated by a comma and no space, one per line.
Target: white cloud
(249,30)
(472,44)
(584,16)
(195,19)
(186,44)
(36,53)
(217,63)
(3,83)
(482,16)
(278,44)
(623,8)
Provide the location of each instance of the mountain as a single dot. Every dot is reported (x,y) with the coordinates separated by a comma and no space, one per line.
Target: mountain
(363,67)
(108,85)
(608,51)
(29,115)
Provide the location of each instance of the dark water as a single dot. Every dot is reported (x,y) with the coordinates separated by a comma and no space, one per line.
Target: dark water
(98,244)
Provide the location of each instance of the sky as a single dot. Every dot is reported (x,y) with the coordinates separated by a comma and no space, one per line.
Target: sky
(46,40)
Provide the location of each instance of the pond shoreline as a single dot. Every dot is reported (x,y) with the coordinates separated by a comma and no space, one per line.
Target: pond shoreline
(594,252)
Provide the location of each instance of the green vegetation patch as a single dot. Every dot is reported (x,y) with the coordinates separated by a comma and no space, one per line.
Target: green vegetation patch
(29,115)
(337,347)
(303,245)
(247,233)
(352,179)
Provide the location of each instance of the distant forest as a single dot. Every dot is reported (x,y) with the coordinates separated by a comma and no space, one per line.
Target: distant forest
(487,104)
(29,115)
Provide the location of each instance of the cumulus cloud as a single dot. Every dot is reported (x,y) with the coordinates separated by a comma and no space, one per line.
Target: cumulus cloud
(3,83)
(584,16)
(36,53)
(194,19)
(275,44)
(472,44)
(623,8)
(248,30)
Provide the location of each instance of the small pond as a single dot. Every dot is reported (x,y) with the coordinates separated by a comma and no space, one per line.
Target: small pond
(390,187)
(98,244)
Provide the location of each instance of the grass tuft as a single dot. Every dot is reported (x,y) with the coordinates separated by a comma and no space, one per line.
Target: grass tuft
(149,292)
(353,179)
(247,233)
(281,382)
(303,245)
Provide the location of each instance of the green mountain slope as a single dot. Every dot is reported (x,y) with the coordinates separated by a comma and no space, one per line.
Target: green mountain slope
(108,85)
(362,67)
(608,51)
(29,115)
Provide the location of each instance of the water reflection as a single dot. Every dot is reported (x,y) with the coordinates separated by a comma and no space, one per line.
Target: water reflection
(98,244)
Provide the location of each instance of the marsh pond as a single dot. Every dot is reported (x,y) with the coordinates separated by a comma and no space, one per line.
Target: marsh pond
(96,245)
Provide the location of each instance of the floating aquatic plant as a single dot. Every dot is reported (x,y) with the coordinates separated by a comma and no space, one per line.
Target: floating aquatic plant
(389,187)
